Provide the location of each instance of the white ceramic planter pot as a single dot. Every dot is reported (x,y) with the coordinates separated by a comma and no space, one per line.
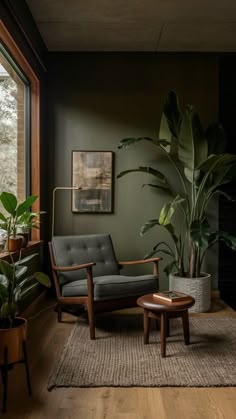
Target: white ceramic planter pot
(198,288)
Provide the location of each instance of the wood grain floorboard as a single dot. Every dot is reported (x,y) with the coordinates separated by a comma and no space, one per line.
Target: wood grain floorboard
(46,339)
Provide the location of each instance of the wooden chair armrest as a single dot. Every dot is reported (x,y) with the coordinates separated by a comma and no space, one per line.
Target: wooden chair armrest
(73,267)
(138,262)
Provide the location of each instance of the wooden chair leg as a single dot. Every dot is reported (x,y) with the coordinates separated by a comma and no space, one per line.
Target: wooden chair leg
(146,326)
(4,372)
(91,320)
(185,321)
(27,368)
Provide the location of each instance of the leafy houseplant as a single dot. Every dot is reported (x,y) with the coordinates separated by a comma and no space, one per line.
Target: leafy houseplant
(13,330)
(14,285)
(20,220)
(202,167)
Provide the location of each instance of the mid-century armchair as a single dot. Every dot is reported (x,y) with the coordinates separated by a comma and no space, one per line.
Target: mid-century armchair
(85,271)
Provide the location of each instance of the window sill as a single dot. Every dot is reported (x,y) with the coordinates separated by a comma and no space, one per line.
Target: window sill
(25,251)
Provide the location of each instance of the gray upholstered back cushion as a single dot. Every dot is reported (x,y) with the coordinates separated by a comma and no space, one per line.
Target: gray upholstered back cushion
(76,250)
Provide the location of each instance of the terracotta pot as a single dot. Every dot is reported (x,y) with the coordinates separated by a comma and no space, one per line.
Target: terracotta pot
(12,339)
(14,243)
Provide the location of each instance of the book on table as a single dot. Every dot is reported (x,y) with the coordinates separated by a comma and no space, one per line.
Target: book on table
(171,296)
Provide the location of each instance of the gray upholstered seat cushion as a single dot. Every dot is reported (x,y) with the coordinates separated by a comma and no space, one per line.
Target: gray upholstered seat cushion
(113,287)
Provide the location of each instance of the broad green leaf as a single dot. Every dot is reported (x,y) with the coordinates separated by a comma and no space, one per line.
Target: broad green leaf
(26,259)
(27,290)
(43,279)
(166,252)
(148,170)
(169,268)
(148,225)
(20,271)
(9,202)
(164,131)
(231,173)
(8,309)
(223,176)
(3,218)
(169,209)
(150,254)
(213,238)
(157,245)
(24,206)
(228,239)
(162,187)
(3,292)
(17,293)
(224,194)
(170,228)
(23,282)
(173,113)
(3,280)
(126,142)
(161,142)
(7,270)
(4,312)
(192,143)
(166,213)
(192,175)
(200,233)
(217,162)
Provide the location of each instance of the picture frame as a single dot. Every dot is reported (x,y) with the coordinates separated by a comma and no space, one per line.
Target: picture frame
(92,174)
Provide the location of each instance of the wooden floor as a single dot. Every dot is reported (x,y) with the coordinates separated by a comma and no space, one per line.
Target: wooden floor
(46,340)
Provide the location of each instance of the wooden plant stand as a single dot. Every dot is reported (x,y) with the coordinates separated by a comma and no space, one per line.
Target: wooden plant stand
(5,367)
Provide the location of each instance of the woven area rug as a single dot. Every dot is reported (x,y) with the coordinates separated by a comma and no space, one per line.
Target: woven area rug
(118,357)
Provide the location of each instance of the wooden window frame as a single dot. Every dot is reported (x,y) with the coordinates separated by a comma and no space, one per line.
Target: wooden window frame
(17,55)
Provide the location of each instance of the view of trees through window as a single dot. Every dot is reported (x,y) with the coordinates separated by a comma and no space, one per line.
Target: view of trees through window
(12,130)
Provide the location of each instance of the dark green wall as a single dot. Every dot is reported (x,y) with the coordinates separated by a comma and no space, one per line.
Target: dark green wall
(96,99)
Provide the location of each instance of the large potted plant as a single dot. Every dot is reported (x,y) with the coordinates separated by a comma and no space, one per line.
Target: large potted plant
(14,285)
(202,167)
(17,219)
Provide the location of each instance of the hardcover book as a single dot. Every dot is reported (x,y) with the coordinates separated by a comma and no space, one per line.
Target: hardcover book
(171,296)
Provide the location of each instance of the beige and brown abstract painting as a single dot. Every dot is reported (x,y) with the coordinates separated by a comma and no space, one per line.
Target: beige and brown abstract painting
(92,174)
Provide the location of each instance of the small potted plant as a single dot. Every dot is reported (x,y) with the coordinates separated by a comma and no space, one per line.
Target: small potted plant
(201,167)
(19,220)
(26,222)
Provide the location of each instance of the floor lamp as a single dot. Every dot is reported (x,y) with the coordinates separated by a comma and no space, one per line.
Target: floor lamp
(59,188)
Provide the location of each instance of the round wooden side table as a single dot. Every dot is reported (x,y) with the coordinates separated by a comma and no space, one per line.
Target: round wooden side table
(155,308)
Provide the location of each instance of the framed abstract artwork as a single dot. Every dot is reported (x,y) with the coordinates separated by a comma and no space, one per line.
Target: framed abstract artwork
(92,174)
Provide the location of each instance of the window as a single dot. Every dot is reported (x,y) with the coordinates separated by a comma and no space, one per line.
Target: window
(14,128)
(23,74)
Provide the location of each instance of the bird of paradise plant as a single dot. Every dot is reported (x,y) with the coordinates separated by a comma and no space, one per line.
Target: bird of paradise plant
(202,167)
